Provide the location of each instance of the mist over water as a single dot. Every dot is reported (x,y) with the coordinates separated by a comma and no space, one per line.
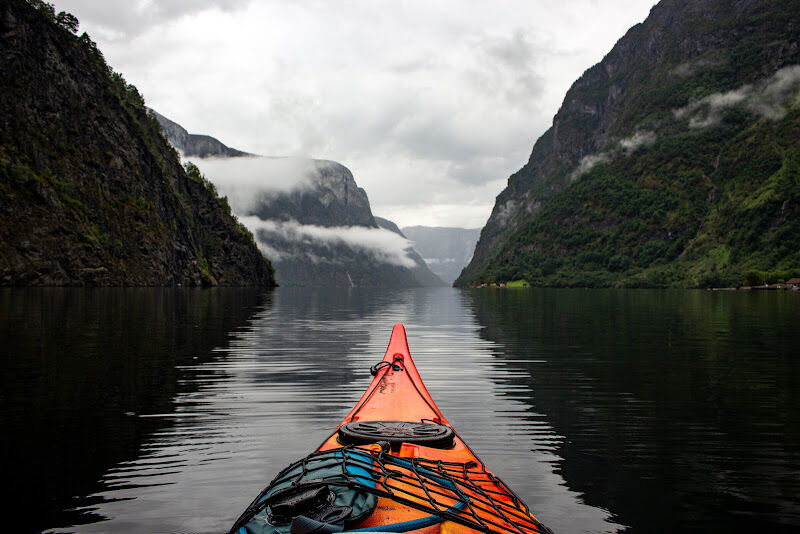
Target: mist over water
(168,410)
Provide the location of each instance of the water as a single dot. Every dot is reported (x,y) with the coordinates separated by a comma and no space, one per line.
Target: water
(150,410)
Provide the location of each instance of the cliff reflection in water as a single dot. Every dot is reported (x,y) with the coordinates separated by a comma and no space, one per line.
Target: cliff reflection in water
(168,410)
(679,410)
(81,371)
(192,441)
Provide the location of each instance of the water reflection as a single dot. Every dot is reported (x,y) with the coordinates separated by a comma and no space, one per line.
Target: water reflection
(167,410)
(679,409)
(273,384)
(82,370)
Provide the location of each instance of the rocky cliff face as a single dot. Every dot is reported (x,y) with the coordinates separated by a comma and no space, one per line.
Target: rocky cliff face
(330,197)
(635,179)
(195,145)
(92,194)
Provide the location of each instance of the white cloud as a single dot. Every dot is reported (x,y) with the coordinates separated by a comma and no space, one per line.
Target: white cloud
(246,179)
(588,162)
(506,212)
(625,146)
(768,99)
(642,138)
(445,98)
(381,244)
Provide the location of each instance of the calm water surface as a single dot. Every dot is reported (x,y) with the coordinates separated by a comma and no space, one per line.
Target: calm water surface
(632,411)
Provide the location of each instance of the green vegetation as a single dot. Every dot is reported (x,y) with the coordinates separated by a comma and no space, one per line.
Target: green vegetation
(666,217)
(712,197)
(518,283)
(93,193)
(758,278)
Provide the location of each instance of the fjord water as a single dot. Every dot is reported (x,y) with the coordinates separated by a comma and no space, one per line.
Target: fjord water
(167,410)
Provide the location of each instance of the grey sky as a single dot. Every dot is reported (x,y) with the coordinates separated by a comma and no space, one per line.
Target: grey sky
(431,104)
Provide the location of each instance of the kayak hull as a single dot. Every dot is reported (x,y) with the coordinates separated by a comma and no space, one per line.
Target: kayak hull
(402,396)
(397,445)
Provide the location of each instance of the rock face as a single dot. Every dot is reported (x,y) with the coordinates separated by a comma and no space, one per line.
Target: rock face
(672,162)
(322,233)
(92,194)
(331,198)
(446,250)
(194,145)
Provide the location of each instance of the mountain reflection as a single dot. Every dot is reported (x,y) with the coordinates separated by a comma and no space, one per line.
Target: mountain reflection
(168,410)
(80,370)
(678,409)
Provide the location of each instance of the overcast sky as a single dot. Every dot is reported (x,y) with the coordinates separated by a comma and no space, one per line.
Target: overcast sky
(431,104)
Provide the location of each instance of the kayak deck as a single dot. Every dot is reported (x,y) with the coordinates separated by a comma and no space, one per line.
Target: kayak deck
(397,445)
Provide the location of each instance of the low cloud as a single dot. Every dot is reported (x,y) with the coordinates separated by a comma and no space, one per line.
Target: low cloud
(244,180)
(588,162)
(625,147)
(689,68)
(640,139)
(507,212)
(769,99)
(381,244)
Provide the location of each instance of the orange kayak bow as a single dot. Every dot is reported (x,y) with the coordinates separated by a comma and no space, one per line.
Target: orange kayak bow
(394,464)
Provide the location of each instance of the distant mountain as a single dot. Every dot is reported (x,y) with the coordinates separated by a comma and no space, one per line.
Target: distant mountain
(194,145)
(675,161)
(309,217)
(92,194)
(422,272)
(446,250)
(322,233)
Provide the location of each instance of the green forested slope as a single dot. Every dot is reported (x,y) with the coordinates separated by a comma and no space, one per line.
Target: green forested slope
(673,162)
(91,193)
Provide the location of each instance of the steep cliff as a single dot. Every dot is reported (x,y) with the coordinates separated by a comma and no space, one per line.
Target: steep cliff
(327,196)
(672,162)
(194,145)
(92,194)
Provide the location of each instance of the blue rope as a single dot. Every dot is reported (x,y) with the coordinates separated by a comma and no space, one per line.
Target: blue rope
(363,476)
(422,522)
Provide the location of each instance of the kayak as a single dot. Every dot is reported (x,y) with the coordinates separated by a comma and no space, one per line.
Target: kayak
(394,464)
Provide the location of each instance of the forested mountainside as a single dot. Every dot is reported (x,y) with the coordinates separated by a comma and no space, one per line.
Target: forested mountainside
(446,250)
(309,217)
(92,193)
(675,161)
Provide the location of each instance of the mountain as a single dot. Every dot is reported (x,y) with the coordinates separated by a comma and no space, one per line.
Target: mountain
(422,272)
(309,217)
(672,162)
(446,250)
(326,195)
(321,232)
(92,193)
(194,145)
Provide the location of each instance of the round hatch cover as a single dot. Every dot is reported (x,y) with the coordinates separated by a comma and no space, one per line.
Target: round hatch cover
(396,432)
